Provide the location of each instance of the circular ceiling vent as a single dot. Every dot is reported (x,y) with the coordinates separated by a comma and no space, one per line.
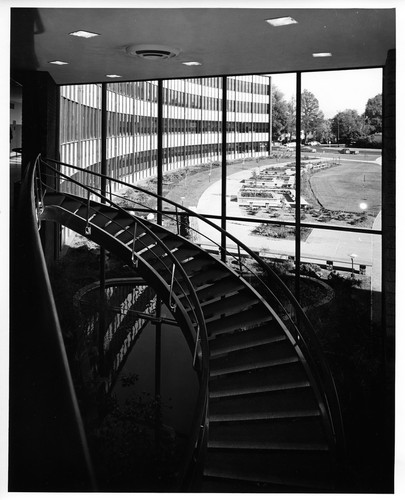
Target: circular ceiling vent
(152,52)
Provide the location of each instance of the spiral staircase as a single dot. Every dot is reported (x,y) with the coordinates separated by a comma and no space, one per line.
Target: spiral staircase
(268,417)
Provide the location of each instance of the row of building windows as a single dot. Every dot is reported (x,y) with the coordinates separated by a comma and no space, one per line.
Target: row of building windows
(87,126)
(191,108)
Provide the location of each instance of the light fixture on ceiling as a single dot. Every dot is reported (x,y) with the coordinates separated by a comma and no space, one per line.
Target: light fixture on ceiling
(113,76)
(192,63)
(281,21)
(84,34)
(152,52)
(322,54)
(58,63)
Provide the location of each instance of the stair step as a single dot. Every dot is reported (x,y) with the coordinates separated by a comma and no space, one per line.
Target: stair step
(265,334)
(220,288)
(272,378)
(181,254)
(289,403)
(225,485)
(71,204)
(103,215)
(254,357)
(118,224)
(253,317)
(54,199)
(298,468)
(201,265)
(290,434)
(239,301)
(84,211)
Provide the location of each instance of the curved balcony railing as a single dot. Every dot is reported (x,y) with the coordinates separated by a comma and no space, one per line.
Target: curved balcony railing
(252,267)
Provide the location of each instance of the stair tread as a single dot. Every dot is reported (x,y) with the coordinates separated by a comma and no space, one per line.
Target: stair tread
(71,204)
(261,335)
(272,378)
(253,317)
(291,467)
(220,288)
(226,485)
(233,303)
(274,404)
(118,224)
(258,356)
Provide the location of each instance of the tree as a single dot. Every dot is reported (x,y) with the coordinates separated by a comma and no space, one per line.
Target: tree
(373,114)
(323,131)
(290,123)
(279,113)
(348,126)
(311,116)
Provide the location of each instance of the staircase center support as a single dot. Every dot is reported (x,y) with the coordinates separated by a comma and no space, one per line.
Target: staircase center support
(159,152)
(298,189)
(158,370)
(223,170)
(103,190)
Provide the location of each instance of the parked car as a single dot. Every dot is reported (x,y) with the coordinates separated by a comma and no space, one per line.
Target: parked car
(308,149)
(314,143)
(354,151)
(344,151)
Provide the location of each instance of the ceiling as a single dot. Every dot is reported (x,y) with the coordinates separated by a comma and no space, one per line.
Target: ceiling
(226,41)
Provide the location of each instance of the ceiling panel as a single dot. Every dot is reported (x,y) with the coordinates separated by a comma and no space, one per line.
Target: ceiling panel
(224,41)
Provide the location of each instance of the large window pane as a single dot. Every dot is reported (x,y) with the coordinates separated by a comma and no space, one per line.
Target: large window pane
(132,141)
(261,156)
(192,140)
(341,121)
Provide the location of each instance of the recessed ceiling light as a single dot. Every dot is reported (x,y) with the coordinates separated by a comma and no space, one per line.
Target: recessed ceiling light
(84,34)
(322,54)
(113,76)
(281,21)
(58,63)
(192,63)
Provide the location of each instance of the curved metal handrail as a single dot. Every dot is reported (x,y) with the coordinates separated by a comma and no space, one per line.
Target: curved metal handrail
(306,340)
(44,391)
(201,336)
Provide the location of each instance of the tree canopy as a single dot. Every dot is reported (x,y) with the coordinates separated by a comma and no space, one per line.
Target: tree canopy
(373,113)
(311,116)
(348,126)
(345,127)
(279,116)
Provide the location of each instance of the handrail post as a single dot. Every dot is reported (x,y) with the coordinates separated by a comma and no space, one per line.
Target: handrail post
(172,305)
(177,221)
(134,260)
(87,229)
(239,260)
(197,341)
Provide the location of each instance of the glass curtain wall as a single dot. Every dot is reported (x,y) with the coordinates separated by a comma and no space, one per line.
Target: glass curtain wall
(192,155)
(80,140)
(132,127)
(80,131)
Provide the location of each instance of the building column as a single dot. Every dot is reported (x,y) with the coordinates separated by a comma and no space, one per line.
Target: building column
(388,262)
(40,135)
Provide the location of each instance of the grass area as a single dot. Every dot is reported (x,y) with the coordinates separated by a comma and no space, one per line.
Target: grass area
(345,186)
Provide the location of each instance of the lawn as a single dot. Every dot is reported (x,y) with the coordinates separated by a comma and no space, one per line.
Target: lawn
(345,186)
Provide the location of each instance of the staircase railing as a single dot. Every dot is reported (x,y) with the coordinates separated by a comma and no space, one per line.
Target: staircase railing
(194,317)
(270,286)
(48,449)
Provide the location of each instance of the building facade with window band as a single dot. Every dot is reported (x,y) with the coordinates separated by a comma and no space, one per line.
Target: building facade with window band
(192,124)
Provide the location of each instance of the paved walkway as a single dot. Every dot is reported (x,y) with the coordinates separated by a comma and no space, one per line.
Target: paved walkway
(321,245)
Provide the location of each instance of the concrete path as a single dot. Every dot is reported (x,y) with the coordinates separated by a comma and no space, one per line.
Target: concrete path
(321,245)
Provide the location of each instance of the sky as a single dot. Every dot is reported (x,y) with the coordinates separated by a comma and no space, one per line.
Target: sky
(335,90)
